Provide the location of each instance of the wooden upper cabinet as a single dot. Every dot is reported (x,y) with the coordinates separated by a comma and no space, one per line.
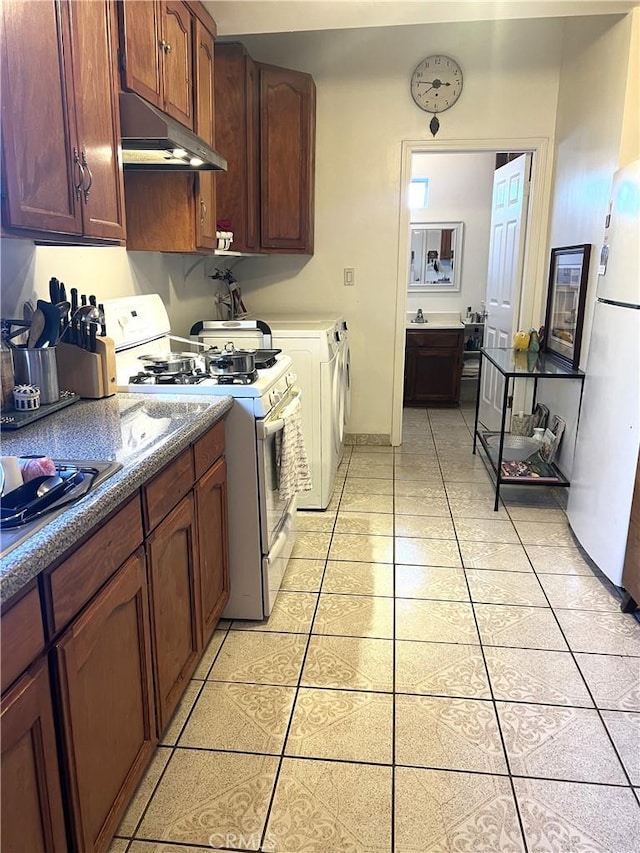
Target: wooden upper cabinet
(205,129)
(287,162)
(265,127)
(60,120)
(38,119)
(177,47)
(94,29)
(140,44)
(156,44)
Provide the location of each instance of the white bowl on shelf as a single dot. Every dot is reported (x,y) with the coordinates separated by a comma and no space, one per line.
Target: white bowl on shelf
(516,448)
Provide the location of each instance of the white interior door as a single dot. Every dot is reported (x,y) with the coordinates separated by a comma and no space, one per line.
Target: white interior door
(504,275)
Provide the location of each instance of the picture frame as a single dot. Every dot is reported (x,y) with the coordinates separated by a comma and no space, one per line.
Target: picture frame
(566,297)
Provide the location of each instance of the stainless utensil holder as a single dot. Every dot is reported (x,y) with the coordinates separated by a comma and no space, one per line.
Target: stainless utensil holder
(38,366)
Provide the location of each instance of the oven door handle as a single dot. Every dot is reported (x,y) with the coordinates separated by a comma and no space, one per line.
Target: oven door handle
(270,427)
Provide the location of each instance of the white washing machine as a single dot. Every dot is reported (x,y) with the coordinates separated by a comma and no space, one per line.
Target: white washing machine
(317,344)
(344,356)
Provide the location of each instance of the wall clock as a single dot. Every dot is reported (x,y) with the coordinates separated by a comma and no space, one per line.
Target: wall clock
(436,85)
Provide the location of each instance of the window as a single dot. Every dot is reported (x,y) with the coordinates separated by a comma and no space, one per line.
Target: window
(418,192)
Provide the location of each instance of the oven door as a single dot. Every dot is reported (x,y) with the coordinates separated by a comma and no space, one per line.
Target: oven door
(273,508)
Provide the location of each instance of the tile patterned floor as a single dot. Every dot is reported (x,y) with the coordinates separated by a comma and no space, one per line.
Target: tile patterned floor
(434,677)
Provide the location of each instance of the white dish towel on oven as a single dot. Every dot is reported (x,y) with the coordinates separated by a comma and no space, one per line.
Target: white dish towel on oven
(291,455)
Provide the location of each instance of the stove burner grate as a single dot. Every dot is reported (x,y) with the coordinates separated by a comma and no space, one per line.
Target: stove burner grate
(237,378)
(144,378)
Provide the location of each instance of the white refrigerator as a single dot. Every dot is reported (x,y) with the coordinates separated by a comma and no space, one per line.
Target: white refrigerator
(606,457)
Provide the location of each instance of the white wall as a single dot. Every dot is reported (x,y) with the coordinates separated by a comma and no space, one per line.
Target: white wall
(592,108)
(460,188)
(364,112)
(108,272)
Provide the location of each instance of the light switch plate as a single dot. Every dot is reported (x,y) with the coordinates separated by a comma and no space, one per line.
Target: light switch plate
(349,276)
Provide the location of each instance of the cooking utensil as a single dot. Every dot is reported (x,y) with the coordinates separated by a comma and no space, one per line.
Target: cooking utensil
(229,361)
(103,325)
(47,484)
(63,310)
(93,301)
(51,330)
(38,367)
(27,311)
(170,362)
(62,292)
(36,329)
(93,331)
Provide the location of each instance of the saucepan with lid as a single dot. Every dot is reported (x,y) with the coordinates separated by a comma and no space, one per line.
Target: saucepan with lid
(229,360)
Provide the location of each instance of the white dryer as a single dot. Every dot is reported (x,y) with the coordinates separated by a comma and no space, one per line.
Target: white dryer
(344,357)
(315,343)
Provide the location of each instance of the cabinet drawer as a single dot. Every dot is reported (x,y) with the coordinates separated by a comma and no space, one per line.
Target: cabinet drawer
(167,489)
(74,582)
(435,339)
(22,634)
(209,448)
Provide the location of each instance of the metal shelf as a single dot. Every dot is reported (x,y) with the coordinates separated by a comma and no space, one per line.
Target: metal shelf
(514,365)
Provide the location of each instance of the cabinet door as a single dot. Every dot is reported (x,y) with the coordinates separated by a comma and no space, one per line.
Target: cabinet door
(32,817)
(177,38)
(106,695)
(205,181)
(140,37)
(237,139)
(39,135)
(174,584)
(95,62)
(287,145)
(410,374)
(437,376)
(211,507)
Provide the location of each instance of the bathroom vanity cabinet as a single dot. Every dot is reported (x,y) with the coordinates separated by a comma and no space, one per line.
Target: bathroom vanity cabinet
(433,366)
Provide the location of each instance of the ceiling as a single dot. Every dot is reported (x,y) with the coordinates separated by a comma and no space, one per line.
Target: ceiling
(243,17)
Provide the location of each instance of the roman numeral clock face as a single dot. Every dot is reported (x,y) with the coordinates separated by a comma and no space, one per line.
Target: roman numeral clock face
(436,85)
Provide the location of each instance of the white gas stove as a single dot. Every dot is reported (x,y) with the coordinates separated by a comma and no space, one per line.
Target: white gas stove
(261,524)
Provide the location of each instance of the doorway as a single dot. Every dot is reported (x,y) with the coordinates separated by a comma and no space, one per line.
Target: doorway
(534,273)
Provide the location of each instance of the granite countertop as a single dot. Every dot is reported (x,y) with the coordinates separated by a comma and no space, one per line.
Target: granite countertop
(435,320)
(143,432)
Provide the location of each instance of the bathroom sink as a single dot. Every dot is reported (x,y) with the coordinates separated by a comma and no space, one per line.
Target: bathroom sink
(23,514)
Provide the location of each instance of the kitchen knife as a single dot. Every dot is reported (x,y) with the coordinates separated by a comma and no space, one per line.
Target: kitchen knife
(62,292)
(93,330)
(83,300)
(103,327)
(74,307)
(93,301)
(54,291)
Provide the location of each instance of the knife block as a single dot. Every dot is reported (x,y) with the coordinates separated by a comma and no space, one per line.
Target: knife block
(81,371)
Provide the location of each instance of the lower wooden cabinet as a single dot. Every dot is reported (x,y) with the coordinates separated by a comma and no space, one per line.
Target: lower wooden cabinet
(106,698)
(433,366)
(174,588)
(32,815)
(211,510)
(124,633)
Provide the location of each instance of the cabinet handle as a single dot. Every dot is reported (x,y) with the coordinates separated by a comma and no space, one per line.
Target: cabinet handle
(86,189)
(76,162)
(203,211)
(165,46)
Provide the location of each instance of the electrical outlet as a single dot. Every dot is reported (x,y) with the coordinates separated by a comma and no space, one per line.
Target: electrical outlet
(349,276)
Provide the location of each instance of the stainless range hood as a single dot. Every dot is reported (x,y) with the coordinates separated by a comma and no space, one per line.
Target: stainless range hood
(154,141)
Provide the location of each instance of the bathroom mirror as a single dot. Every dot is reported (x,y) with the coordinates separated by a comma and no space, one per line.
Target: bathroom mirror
(435,259)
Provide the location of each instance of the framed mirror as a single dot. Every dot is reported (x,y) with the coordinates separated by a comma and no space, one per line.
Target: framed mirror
(435,259)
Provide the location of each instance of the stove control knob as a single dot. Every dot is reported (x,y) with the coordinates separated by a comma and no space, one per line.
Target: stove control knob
(277,396)
(291,379)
